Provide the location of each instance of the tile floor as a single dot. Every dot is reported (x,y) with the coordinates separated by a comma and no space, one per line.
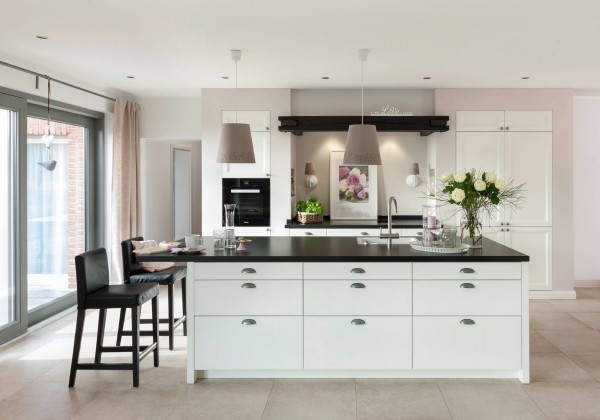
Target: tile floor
(565,372)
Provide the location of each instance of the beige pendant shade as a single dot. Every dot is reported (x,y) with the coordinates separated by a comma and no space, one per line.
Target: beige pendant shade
(235,145)
(362,146)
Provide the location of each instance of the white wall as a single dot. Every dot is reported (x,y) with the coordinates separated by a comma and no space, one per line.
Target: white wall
(398,150)
(214,101)
(560,101)
(586,200)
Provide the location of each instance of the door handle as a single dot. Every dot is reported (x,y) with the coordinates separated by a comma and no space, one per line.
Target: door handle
(467,270)
(358,322)
(357,286)
(249,191)
(248,322)
(357,271)
(251,286)
(464,286)
(467,322)
(248,271)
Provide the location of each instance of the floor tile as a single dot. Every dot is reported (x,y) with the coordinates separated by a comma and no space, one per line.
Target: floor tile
(591,319)
(573,341)
(567,400)
(488,399)
(538,344)
(7,388)
(399,399)
(329,399)
(577,305)
(555,367)
(540,305)
(231,399)
(555,321)
(588,292)
(589,361)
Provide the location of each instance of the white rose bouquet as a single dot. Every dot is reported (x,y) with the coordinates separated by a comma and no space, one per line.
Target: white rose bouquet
(478,192)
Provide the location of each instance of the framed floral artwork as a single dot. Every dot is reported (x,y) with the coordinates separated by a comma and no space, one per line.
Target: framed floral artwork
(353,189)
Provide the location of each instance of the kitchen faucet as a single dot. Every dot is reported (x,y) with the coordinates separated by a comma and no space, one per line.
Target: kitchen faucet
(390,235)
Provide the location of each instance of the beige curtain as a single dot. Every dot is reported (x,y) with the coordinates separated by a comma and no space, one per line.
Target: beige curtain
(126,214)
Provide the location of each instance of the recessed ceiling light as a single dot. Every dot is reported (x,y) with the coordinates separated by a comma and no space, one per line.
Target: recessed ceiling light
(525,77)
(426,78)
(225,77)
(131,77)
(41,37)
(325,77)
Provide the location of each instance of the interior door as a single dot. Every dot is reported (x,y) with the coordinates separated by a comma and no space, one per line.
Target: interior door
(182,191)
(13,290)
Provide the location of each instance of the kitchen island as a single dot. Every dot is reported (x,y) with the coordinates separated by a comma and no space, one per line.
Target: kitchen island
(326,307)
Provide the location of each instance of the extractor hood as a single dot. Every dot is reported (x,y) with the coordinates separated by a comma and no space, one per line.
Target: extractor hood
(416,124)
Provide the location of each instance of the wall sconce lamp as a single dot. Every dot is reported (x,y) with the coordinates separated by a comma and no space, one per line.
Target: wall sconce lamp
(310,179)
(412,180)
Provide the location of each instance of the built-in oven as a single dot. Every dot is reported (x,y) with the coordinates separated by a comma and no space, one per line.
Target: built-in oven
(252,199)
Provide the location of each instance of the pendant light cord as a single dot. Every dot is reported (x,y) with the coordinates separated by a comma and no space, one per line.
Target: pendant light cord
(48,108)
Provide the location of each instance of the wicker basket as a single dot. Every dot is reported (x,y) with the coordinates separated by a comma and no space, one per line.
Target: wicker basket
(306,218)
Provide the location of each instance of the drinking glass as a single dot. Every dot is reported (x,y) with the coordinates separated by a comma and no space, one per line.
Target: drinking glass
(219,240)
(229,238)
(193,241)
(448,236)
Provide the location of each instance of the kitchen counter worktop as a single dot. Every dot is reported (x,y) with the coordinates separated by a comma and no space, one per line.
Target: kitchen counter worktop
(336,249)
(398,222)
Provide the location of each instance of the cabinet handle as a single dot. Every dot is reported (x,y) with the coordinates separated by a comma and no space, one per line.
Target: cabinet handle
(507,223)
(507,128)
(364,233)
(251,286)
(467,270)
(308,233)
(248,322)
(502,128)
(248,271)
(268,174)
(467,286)
(507,229)
(357,271)
(501,223)
(358,322)
(266,128)
(502,230)
(467,322)
(357,286)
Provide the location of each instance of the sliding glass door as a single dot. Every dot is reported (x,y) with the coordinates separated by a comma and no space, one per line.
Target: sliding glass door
(13,314)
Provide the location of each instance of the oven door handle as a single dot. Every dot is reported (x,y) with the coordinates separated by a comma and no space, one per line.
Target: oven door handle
(245,191)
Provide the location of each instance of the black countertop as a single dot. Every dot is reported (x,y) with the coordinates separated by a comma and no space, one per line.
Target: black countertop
(398,222)
(336,249)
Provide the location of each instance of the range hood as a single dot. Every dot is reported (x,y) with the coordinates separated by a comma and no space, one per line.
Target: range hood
(415,124)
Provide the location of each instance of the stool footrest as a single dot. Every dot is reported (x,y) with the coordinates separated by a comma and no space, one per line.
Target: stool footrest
(104,366)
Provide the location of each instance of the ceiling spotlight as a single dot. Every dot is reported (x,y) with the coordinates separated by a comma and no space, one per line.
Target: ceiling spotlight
(41,37)
(426,78)
(225,77)
(325,77)
(525,77)
(131,77)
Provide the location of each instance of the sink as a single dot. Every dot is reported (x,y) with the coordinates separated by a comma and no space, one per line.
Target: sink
(376,240)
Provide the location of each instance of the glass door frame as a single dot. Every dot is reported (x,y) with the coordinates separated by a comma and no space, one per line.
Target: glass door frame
(18,172)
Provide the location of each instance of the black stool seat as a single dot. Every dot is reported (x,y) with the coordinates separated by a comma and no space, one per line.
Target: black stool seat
(121,296)
(164,277)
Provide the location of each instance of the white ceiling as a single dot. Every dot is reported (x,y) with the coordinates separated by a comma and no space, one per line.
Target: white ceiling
(175,48)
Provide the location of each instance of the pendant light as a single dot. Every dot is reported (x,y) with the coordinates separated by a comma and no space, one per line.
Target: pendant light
(48,138)
(235,145)
(362,146)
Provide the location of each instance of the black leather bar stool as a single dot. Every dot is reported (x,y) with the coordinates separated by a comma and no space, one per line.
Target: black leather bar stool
(133,274)
(94,292)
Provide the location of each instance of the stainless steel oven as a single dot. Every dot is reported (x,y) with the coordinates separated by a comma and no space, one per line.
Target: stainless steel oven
(252,198)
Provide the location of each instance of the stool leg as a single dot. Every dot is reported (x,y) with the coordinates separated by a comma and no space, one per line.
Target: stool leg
(171,315)
(155,328)
(135,344)
(100,338)
(77,345)
(121,324)
(183,299)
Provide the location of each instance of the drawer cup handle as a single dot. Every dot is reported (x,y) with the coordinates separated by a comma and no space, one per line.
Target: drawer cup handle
(358,322)
(467,270)
(467,286)
(357,286)
(251,286)
(467,322)
(357,271)
(248,271)
(364,233)
(248,322)
(308,233)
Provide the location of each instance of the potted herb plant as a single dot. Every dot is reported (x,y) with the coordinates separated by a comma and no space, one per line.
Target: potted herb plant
(310,211)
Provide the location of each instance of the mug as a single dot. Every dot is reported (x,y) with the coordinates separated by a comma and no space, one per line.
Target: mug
(193,241)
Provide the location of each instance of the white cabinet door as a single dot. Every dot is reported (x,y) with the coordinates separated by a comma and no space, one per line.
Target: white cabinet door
(537,243)
(258,120)
(479,120)
(528,120)
(261,141)
(528,159)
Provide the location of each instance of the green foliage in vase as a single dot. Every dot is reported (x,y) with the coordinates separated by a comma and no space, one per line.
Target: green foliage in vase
(312,205)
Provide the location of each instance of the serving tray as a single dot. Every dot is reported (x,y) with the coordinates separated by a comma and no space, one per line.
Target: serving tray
(418,245)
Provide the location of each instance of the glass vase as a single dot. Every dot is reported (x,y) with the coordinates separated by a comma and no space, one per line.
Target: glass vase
(470,230)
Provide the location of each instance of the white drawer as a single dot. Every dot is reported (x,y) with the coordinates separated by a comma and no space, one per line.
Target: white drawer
(333,342)
(461,297)
(256,297)
(466,271)
(223,342)
(365,297)
(357,270)
(308,232)
(248,271)
(443,343)
(353,232)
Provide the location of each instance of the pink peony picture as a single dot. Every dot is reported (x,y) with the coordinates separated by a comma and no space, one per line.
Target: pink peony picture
(354,184)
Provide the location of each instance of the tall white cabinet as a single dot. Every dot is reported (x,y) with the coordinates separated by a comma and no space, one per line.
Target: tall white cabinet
(516,145)
(260,127)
